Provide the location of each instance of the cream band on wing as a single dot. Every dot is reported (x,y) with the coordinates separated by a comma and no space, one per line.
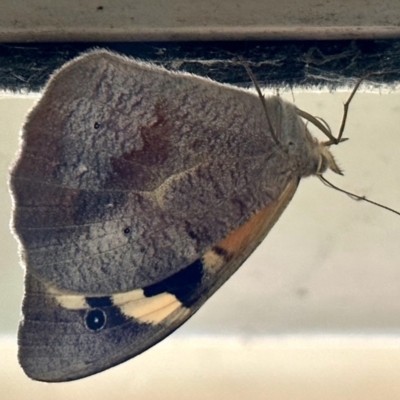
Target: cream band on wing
(152,309)
(132,304)
(69,301)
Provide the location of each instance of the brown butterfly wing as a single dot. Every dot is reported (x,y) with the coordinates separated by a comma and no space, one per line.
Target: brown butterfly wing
(67,336)
(128,173)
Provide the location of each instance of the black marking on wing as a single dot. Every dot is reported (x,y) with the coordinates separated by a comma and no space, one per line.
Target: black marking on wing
(95,302)
(183,285)
(222,253)
(102,314)
(95,319)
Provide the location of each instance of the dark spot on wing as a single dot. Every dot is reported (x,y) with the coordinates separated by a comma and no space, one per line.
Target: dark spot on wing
(95,319)
(222,253)
(102,314)
(95,302)
(183,285)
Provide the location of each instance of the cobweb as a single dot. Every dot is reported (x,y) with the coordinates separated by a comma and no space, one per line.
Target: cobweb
(276,64)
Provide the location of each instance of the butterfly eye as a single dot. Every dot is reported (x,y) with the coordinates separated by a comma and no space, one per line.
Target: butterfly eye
(95,319)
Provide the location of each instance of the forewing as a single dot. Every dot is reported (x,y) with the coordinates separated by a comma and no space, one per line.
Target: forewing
(128,173)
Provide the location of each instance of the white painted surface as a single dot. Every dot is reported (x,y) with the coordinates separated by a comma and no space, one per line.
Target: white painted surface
(135,20)
(230,369)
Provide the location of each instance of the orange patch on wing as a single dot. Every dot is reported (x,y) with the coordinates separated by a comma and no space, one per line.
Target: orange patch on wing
(255,229)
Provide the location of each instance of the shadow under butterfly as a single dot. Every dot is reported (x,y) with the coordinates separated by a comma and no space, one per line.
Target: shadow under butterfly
(137,193)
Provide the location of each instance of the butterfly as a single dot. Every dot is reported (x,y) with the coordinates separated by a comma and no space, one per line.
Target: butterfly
(137,193)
